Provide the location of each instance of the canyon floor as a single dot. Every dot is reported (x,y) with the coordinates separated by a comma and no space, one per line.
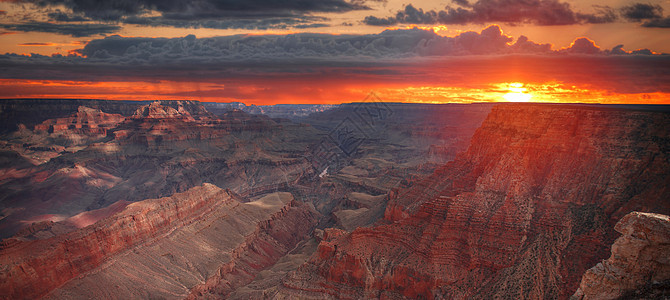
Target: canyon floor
(182,199)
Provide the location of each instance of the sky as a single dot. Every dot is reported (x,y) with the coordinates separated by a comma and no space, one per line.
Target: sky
(336,51)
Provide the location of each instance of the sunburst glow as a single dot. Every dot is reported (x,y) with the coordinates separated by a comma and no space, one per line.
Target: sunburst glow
(517,93)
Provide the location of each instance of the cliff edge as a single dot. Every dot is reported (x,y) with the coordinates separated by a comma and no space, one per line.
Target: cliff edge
(640,259)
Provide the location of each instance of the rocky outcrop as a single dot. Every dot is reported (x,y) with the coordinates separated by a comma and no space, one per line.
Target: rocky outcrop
(521,214)
(86,120)
(288,111)
(157,111)
(174,243)
(640,258)
(194,108)
(31,112)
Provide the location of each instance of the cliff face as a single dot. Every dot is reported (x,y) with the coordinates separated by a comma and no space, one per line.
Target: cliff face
(640,258)
(84,121)
(522,213)
(31,112)
(34,268)
(173,243)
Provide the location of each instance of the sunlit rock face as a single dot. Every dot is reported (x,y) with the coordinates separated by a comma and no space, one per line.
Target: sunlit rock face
(521,214)
(32,112)
(639,265)
(205,239)
(86,121)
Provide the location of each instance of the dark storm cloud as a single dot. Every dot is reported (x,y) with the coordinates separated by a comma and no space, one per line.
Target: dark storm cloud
(202,9)
(75,30)
(236,23)
(658,23)
(465,3)
(241,56)
(389,44)
(539,12)
(641,11)
(60,16)
(217,14)
(652,15)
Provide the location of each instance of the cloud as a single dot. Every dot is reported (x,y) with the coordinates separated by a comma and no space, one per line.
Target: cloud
(641,11)
(389,57)
(539,12)
(464,3)
(658,23)
(523,45)
(236,23)
(201,9)
(285,53)
(583,46)
(410,15)
(216,14)
(618,50)
(651,14)
(61,16)
(389,44)
(37,44)
(75,30)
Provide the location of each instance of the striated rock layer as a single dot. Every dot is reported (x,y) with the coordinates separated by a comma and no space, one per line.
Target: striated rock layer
(640,258)
(31,112)
(86,121)
(156,152)
(521,214)
(159,247)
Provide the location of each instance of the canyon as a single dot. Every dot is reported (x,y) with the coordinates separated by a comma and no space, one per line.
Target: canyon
(523,213)
(168,199)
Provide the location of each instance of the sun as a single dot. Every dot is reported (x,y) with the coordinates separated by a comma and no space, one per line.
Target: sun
(517,93)
(517,97)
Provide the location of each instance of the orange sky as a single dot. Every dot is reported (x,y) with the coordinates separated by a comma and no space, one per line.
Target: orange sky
(406,66)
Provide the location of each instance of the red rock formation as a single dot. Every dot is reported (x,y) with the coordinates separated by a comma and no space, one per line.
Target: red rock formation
(157,111)
(191,234)
(31,269)
(86,120)
(522,214)
(640,257)
(150,156)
